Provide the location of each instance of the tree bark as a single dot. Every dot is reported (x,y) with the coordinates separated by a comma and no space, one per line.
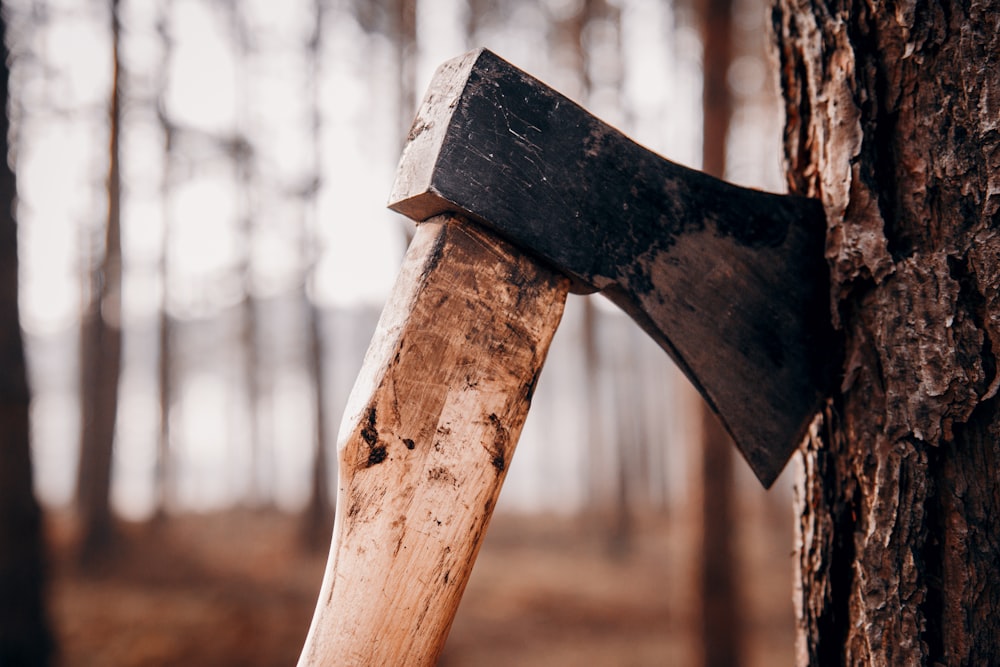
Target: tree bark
(893,120)
(101,350)
(25,637)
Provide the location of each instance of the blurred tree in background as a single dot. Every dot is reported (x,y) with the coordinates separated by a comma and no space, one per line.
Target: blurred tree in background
(101,342)
(25,638)
(721,615)
(204,250)
(215,284)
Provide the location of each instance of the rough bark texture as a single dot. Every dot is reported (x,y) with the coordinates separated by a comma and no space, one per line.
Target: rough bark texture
(893,112)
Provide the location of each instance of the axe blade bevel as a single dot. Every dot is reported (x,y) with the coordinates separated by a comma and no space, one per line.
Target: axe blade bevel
(730,281)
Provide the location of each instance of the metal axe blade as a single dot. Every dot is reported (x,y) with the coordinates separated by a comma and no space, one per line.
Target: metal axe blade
(543,197)
(730,281)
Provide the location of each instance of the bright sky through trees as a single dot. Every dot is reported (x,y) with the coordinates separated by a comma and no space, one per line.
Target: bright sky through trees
(237,79)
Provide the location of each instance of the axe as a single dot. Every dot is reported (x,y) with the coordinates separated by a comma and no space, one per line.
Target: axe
(522,197)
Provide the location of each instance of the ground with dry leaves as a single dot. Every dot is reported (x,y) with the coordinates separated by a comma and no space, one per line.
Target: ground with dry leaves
(238,589)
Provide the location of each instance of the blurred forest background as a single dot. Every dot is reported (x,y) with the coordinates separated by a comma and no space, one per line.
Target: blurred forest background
(204,252)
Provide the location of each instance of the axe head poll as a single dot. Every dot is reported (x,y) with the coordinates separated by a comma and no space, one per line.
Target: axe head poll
(731,282)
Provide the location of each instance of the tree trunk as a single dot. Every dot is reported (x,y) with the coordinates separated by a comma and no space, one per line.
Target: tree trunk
(25,638)
(566,39)
(165,357)
(101,350)
(242,154)
(404,18)
(317,523)
(570,34)
(721,632)
(893,114)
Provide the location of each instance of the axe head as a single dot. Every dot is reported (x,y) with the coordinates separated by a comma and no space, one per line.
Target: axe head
(731,282)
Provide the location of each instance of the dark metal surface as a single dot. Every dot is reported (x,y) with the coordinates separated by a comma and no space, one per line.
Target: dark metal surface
(730,281)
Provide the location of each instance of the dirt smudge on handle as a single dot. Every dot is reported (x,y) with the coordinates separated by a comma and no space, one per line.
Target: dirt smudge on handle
(377,451)
(500,441)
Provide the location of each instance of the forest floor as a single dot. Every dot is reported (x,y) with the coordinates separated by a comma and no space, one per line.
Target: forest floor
(237,588)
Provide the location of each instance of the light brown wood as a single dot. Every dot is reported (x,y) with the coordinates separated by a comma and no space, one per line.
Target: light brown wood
(729,281)
(426,441)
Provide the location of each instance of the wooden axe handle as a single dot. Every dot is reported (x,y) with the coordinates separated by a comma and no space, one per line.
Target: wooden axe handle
(426,441)
(730,282)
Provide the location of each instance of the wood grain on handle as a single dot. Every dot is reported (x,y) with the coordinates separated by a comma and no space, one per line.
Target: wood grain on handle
(426,441)
(731,282)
